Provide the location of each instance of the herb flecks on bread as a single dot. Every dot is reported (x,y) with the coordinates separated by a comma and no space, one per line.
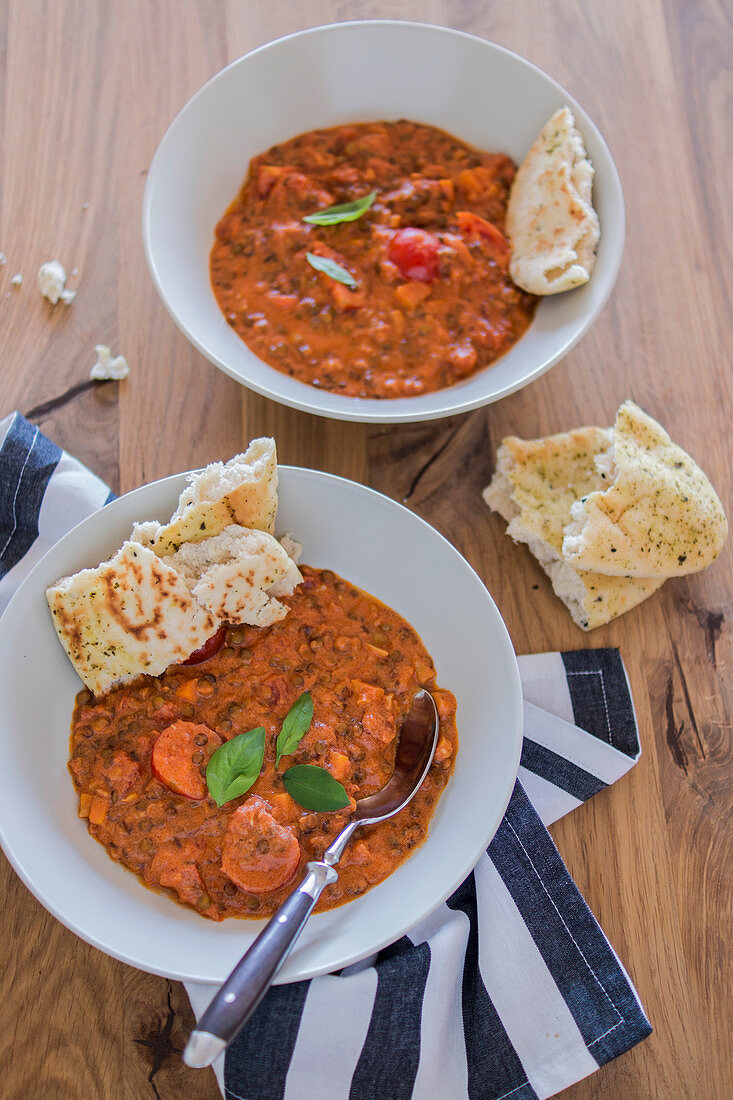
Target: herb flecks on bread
(535,485)
(242,491)
(131,615)
(609,513)
(169,588)
(656,513)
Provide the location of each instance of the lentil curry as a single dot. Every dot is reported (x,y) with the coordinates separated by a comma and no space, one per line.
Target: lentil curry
(139,754)
(431,302)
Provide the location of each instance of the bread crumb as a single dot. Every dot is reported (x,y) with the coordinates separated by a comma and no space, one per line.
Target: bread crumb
(52,283)
(108,367)
(16,279)
(291,546)
(3,259)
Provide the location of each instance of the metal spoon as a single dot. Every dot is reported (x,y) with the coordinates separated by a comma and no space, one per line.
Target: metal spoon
(254,973)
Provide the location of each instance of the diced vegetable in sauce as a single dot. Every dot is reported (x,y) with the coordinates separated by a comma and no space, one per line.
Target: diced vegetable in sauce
(208,649)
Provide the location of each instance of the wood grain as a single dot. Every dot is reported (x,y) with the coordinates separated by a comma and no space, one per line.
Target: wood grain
(88,87)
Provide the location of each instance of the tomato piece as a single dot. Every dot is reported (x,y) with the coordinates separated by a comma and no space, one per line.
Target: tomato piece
(415,253)
(475,226)
(208,649)
(259,855)
(179,754)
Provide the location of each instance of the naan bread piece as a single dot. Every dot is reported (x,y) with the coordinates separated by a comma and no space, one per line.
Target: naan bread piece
(291,546)
(655,514)
(147,532)
(243,491)
(552,227)
(238,574)
(536,484)
(131,615)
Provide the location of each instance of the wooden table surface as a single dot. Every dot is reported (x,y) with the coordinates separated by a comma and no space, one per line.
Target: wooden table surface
(88,89)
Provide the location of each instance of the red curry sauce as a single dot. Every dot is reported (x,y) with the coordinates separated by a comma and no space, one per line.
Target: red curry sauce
(362,664)
(433,301)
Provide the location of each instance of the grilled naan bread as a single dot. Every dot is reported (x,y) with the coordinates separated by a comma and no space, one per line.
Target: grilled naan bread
(165,593)
(552,227)
(242,491)
(654,513)
(238,575)
(131,615)
(534,488)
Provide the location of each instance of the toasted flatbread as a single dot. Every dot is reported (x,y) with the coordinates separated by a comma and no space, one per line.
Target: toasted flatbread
(291,546)
(131,615)
(552,227)
(655,513)
(146,533)
(243,491)
(238,574)
(535,485)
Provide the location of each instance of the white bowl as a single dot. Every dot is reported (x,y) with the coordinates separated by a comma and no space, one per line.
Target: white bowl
(383,548)
(360,72)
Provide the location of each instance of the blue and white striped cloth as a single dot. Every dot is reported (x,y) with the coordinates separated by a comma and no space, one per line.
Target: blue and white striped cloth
(509,989)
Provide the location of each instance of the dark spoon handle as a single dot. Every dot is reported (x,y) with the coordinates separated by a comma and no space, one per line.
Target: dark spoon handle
(256,970)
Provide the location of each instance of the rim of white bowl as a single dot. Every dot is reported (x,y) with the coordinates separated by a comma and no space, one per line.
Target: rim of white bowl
(388,410)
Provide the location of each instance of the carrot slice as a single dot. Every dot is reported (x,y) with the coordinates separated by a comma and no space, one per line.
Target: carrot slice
(179,753)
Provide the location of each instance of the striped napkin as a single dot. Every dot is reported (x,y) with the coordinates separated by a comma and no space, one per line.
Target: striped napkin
(510,987)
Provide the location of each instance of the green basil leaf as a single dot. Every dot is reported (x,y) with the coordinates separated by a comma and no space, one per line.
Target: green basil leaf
(296,724)
(314,788)
(344,212)
(235,765)
(239,786)
(331,268)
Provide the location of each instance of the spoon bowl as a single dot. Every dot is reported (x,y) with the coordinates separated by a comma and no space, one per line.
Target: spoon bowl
(414,755)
